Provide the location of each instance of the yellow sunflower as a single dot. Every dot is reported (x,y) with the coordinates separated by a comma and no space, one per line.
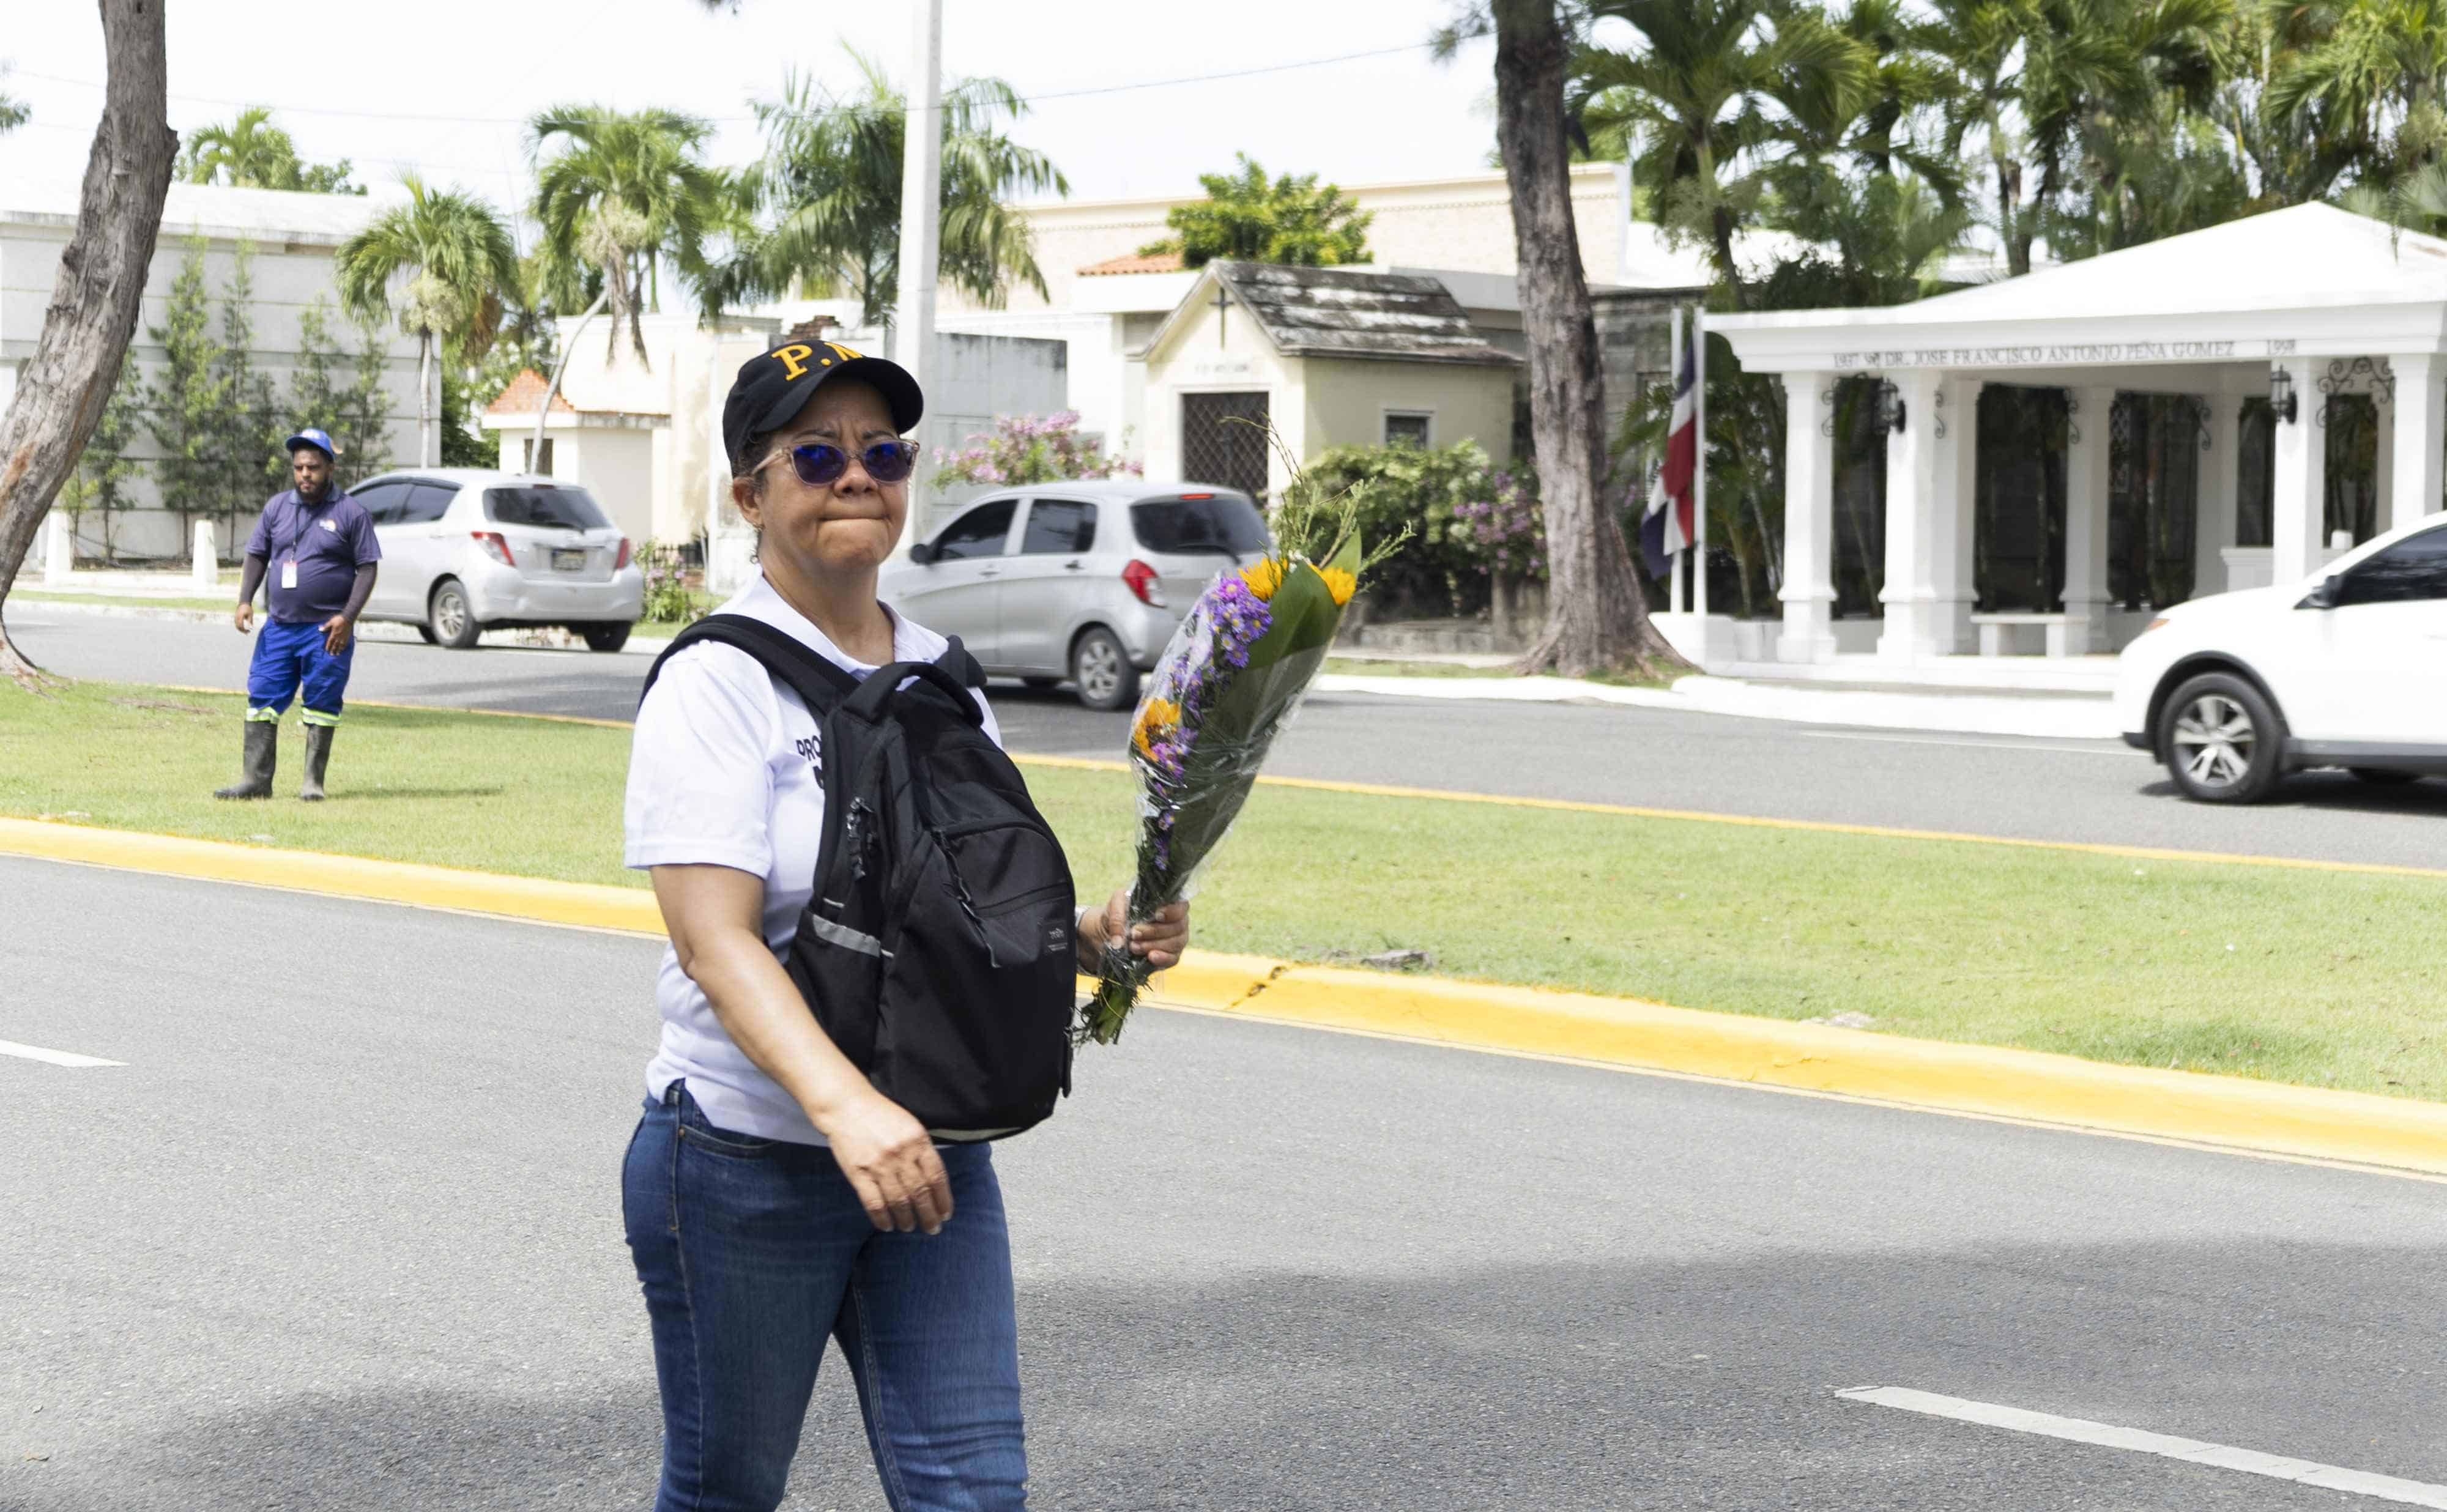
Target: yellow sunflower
(1264,577)
(1155,722)
(1340,583)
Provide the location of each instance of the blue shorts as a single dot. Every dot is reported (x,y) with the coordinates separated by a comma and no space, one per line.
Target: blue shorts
(290,656)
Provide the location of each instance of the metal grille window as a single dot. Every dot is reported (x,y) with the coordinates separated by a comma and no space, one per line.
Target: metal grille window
(1406,427)
(1223,441)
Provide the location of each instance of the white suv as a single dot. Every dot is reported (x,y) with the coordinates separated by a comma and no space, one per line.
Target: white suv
(466,550)
(2344,669)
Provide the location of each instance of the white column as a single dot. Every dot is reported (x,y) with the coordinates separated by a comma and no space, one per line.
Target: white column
(2215,504)
(2299,461)
(1957,512)
(2085,542)
(59,549)
(2414,481)
(204,562)
(1913,506)
(1809,591)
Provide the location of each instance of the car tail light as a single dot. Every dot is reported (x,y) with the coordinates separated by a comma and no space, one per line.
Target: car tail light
(1144,583)
(1198,496)
(622,565)
(492,540)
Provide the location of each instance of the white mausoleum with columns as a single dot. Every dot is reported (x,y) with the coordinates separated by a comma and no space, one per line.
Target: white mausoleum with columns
(2313,312)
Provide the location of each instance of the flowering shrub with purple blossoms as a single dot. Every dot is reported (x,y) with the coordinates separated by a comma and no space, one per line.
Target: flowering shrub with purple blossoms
(1030,449)
(1507,530)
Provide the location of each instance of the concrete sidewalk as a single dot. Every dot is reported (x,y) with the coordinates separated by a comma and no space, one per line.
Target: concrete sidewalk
(2050,716)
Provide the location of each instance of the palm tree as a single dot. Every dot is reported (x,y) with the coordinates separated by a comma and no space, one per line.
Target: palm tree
(618,196)
(452,261)
(1696,100)
(829,190)
(249,153)
(2375,72)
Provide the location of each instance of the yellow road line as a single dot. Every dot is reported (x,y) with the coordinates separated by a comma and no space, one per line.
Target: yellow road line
(1692,816)
(1755,821)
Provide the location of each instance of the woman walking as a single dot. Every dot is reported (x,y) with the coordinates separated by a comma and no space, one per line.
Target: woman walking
(773,1196)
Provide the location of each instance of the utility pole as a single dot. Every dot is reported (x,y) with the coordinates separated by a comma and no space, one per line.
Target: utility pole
(922,210)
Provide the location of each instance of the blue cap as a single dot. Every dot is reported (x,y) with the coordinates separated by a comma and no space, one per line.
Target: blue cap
(312,437)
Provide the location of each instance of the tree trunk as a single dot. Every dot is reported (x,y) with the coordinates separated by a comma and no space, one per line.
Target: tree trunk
(99,292)
(1594,616)
(425,457)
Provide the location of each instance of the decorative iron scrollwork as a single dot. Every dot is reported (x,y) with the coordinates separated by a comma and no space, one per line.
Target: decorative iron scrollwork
(2072,427)
(1826,402)
(1939,405)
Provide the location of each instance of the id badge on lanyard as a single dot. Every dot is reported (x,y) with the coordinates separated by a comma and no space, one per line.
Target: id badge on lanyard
(289,573)
(296,543)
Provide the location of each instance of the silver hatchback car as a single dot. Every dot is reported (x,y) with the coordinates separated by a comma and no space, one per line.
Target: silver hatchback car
(1079,581)
(466,550)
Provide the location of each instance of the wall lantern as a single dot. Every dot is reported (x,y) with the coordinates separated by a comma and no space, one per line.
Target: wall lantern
(1891,407)
(2281,392)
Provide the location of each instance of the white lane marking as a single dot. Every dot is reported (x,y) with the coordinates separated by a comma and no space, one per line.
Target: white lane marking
(36,1052)
(2192,1451)
(2065,744)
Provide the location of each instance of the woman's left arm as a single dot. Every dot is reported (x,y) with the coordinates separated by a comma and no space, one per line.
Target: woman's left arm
(1161,940)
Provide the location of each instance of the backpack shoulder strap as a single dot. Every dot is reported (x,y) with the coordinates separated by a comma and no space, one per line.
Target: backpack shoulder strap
(820,683)
(957,660)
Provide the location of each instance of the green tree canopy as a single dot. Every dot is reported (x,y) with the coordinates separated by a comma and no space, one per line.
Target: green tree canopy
(252,152)
(444,266)
(618,196)
(826,193)
(1250,217)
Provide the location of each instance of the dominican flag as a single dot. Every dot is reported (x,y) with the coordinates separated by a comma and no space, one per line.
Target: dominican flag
(1666,530)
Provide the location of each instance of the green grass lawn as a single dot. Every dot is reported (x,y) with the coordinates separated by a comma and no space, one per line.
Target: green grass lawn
(2319,977)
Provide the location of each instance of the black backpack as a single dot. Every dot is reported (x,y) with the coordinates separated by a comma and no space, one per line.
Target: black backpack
(939,951)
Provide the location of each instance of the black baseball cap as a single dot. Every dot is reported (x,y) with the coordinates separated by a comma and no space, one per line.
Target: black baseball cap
(774,386)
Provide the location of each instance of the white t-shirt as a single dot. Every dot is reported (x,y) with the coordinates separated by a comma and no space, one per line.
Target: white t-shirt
(726,769)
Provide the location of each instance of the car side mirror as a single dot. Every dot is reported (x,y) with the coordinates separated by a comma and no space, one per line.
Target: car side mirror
(923,554)
(2326,595)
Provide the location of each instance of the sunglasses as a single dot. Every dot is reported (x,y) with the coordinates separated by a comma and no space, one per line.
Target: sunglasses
(886,461)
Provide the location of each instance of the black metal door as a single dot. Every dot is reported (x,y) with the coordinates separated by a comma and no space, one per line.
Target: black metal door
(1223,441)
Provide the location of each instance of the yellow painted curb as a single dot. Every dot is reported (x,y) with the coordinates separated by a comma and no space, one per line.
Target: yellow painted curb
(529,897)
(2232,1112)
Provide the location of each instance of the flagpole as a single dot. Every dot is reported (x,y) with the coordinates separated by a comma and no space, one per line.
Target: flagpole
(1700,475)
(1674,567)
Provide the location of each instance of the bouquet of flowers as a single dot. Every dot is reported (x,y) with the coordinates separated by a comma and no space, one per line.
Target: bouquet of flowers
(1228,681)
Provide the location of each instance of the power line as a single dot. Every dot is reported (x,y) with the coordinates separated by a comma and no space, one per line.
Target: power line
(520,121)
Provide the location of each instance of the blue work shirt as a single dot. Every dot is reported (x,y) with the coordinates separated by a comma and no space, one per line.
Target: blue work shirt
(328,541)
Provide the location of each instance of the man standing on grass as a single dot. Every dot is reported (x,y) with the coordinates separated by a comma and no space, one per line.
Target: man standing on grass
(317,545)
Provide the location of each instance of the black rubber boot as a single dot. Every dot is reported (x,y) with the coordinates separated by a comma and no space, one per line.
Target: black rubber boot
(318,756)
(262,750)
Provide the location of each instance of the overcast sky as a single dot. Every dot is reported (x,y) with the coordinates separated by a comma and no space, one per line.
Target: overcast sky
(441,85)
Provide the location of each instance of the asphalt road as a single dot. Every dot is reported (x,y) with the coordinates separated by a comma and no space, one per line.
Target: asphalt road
(343,1233)
(2067,790)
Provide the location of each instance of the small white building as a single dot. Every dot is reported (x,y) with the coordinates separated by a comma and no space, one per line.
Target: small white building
(644,437)
(288,239)
(1319,357)
(2268,326)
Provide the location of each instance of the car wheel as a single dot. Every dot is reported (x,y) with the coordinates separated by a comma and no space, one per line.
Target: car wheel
(1102,671)
(2222,742)
(603,637)
(1040,684)
(2382,777)
(451,618)
(426,631)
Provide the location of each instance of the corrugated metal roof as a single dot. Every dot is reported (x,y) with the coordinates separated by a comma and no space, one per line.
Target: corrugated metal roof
(1351,312)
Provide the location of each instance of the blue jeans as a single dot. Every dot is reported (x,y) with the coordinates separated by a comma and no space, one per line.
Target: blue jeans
(289,656)
(752,1251)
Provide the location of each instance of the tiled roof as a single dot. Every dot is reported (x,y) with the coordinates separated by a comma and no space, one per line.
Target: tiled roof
(1135,262)
(1351,312)
(524,394)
